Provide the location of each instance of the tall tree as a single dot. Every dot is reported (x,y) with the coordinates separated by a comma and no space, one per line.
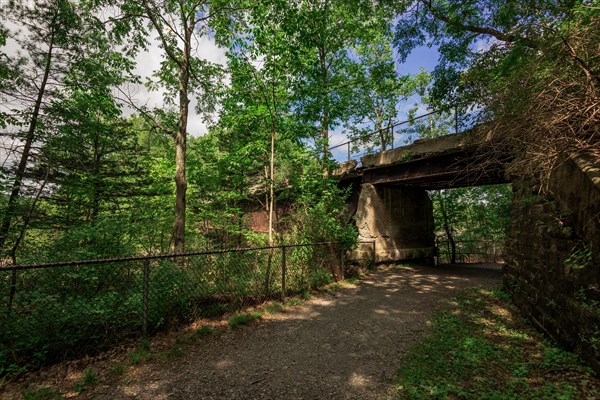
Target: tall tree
(177,25)
(379,90)
(320,34)
(50,35)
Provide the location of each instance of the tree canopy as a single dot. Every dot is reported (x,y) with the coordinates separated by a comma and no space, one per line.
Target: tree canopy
(79,150)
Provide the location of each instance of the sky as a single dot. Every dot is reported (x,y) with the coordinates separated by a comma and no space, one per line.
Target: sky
(206,48)
(149,61)
(421,58)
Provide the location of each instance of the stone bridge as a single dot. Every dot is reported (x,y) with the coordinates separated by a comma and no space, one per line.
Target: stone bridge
(389,198)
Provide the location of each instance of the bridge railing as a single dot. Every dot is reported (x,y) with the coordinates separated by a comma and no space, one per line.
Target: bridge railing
(471,251)
(51,311)
(441,122)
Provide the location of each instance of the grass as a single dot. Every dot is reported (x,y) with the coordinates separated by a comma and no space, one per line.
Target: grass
(482,349)
(203,331)
(242,319)
(273,308)
(293,302)
(141,353)
(117,369)
(89,379)
(40,393)
(172,353)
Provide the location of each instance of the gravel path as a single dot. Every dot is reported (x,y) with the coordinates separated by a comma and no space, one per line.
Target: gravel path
(345,346)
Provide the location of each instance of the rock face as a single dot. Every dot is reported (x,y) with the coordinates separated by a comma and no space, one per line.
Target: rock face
(552,266)
(399,221)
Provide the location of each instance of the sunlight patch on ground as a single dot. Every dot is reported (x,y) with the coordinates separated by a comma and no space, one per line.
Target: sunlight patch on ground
(358,380)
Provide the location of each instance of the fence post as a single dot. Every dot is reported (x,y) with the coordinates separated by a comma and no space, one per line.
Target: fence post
(145,294)
(283,272)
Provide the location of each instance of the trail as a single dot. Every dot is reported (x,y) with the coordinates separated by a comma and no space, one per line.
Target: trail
(344,346)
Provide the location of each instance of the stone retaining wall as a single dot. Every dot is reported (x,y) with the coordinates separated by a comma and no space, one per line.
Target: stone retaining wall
(552,265)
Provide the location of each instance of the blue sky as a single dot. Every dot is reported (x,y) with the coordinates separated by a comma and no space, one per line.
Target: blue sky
(422,57)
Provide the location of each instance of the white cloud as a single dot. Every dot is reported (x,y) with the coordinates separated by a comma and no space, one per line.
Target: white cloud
(149,61)
(484,44)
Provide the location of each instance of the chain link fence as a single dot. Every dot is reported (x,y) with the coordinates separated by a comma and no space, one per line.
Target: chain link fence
(54,311)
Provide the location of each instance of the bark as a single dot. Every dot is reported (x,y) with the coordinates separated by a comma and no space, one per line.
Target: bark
(325,114)
(180,146)
(96,192)
(337,267)
(271,187)
(448,230)
(29,139)
(163,29)
(15,247)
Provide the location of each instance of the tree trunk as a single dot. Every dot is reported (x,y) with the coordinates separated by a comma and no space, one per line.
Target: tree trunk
(271,203)
(180,148)
(337,266)
(448,230)
(16,187)
(15,247)
(95,191)
(325,114)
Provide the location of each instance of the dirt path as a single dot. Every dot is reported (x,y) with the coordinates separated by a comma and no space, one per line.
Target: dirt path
(345,346)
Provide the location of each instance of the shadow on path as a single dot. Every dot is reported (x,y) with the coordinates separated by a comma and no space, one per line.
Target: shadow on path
(345,346)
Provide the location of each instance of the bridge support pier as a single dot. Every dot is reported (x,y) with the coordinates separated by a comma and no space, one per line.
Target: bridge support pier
(399,220)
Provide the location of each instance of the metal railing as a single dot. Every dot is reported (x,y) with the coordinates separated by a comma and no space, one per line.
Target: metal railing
(66,309)
(471,251)
(402,138)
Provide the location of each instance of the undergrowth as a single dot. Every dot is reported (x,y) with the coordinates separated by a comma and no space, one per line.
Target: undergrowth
(482,349)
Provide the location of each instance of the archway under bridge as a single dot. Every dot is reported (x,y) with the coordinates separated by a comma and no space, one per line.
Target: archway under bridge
(389,197)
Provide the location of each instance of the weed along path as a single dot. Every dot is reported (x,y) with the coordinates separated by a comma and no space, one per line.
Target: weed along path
(346,345)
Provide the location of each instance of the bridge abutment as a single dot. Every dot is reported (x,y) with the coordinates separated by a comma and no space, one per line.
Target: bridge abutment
(398,220)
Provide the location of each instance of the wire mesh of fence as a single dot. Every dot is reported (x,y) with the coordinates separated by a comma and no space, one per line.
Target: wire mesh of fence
(53,311)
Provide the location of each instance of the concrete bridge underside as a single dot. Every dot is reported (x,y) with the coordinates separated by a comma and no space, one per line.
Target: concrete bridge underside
(389,197)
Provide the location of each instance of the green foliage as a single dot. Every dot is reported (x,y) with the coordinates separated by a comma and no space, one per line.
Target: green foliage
(378,91)
(320,213)
(41,393)
(580,259)
(243,319)
(88,379)
(529,68)
(118,369)
(472,215)
(481,350)
(141,353)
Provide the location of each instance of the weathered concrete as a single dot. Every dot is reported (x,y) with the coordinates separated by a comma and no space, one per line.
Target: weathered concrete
(427,147)
(388,192)
(400,221)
